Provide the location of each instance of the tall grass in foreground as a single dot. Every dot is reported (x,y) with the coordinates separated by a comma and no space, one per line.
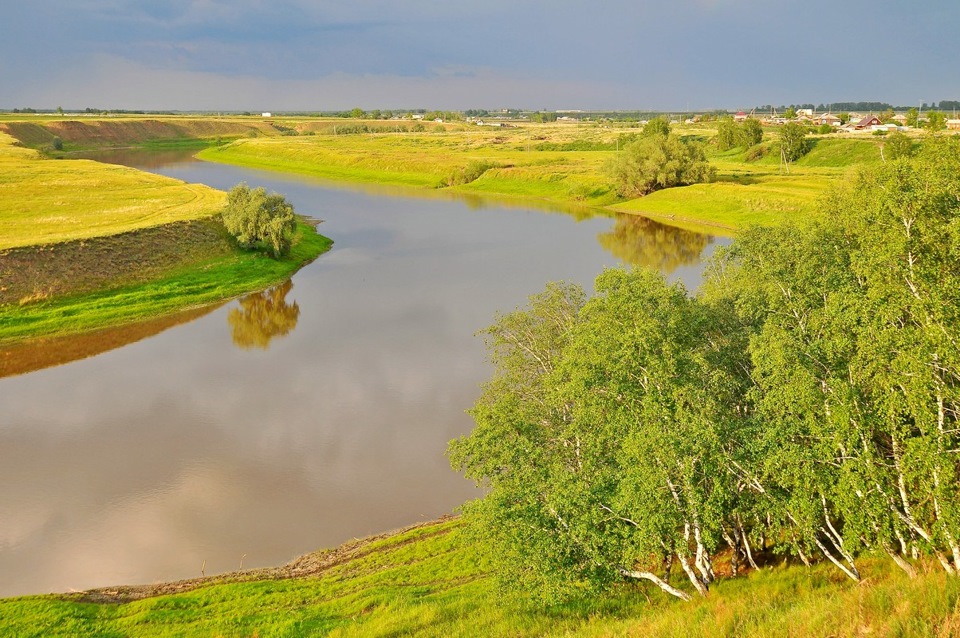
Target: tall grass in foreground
(430,582)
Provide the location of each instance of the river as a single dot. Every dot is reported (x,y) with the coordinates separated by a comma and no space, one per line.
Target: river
(209,443)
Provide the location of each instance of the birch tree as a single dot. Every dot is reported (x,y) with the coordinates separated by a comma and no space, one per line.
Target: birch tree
(612,463)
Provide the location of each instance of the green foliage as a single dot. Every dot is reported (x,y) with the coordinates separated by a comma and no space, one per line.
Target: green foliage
(809,394)
(793,143)
(658,161)
(730,134)
(936,121)
(898,146)
(656,126)
(602,436)
(913,117)
(255,218)
(856,382)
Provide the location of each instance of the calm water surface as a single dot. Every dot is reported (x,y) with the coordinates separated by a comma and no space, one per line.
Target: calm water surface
(213,442)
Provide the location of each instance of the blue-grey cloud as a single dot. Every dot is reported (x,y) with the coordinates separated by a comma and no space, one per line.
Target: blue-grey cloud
(618,54)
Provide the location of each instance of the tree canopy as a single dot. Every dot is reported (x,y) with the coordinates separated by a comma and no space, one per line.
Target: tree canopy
(730,134)
(255,219)
(793,141)
(807,398)
(658,161)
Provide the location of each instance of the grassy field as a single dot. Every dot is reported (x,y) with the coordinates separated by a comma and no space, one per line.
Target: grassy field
(562,164)
(474,161)
(46,201)
(428,580)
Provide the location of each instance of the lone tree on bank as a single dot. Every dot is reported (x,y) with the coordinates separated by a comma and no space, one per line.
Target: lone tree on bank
(658,161)
(255,219)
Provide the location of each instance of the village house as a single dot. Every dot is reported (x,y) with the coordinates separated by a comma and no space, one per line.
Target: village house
(953,125)
(827,118)
(867,122)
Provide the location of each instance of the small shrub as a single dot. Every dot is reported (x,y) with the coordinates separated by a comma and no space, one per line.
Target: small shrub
(755,153)
(470,173)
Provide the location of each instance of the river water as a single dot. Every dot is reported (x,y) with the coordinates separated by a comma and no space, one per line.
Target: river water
(211,442)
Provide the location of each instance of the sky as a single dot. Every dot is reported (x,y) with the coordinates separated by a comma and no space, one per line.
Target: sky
(284,55)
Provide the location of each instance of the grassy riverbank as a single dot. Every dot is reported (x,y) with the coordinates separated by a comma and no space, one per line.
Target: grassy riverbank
(215,275)
(86,246)
(563,164)
(429,580)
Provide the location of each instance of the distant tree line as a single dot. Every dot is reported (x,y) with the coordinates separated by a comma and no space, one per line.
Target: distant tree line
(806,402)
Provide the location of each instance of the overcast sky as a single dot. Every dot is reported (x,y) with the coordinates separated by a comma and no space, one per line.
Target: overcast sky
(606,54)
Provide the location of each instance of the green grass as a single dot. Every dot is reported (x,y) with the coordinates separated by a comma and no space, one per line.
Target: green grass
(549,163)
(49,201)
(197,284)
(429,581)
(430,161)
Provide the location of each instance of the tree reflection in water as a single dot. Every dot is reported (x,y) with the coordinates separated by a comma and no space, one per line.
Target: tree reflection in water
(263,316)
(640,241)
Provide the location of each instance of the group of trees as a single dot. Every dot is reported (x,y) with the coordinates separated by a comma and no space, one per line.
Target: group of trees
(731,134)
(806,400)
(658,159)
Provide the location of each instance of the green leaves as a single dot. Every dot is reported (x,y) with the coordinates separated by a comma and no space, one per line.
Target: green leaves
(658,161)
(809,394)
(255,218)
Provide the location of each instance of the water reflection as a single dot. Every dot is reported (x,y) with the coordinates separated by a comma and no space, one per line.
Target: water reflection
(640,241)
(263,316)
(37,354)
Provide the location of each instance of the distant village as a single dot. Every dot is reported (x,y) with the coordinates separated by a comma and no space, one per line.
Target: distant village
(850,123)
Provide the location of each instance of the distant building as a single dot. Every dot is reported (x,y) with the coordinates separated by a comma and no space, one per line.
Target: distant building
(900,119)
(828,118)
(740,116)
(953,125)
(868,122)
(266,114)
(805,113)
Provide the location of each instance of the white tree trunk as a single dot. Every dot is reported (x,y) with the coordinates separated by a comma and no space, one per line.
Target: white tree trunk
(853,575)
(698,584)
(659,582)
